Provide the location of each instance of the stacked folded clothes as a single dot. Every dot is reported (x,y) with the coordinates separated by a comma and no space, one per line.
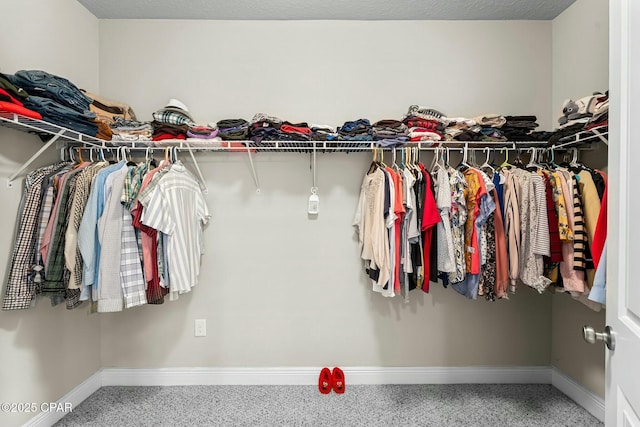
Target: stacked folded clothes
(233,129)
(323,133)
(11,98)
(390,133)
(425,124)
(490,127)
(172,121)
(295,131)
(519,128)
(461,126)
(126,130)
(107,110)
(60,115)
(202,132)
(585,114)
(57,99)
(265,128)
(600,116)
(356,130)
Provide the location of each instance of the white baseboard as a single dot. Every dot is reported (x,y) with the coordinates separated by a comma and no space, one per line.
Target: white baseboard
(309,376)
(581,395)
(74,397)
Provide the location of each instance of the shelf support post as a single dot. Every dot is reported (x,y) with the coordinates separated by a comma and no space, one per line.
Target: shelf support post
(35,156)
(253,168)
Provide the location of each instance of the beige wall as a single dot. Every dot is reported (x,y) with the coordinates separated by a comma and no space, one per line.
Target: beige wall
(278,288)
(580,64)
(46,351)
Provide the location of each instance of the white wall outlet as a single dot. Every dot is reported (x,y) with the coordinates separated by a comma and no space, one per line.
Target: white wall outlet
(200,329)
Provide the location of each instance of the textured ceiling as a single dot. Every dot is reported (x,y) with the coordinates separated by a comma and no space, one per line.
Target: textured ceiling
(327,9)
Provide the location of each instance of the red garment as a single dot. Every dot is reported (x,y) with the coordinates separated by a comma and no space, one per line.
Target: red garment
(294,129)
(12,99)
(414,122)
(600,235)
(430,217)
(164,135)
(14,108)
(155,292)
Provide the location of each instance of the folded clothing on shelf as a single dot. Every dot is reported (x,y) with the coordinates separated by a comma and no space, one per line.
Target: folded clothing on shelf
(128,130)
(58,114)
(582,116)
(295,131)
(45,85)
(490,120)
(169,131)
(107,110)
(323,133)
(418,111)
(174,113)
(202,132)
(356,130)
(519,128)
(233,129)
(15,91)
(13,105)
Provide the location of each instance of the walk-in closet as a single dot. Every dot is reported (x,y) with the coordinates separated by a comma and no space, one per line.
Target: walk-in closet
(204,204)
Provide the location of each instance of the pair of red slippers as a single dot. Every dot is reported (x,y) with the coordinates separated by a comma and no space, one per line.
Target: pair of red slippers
(331,380)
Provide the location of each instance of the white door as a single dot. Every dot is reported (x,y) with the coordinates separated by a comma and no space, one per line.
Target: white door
(623,245)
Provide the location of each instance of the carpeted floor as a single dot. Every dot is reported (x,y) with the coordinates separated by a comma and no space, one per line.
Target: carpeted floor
(381,405)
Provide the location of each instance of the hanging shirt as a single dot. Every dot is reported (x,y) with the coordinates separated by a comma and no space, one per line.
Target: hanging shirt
(20,290)
(512,201)
(502,258)
(572,279)
(430,217)
(446,253)
(73,259)
(533,223)
(87,232)
(399,212)
(178,209)
(108,292)
(457,185)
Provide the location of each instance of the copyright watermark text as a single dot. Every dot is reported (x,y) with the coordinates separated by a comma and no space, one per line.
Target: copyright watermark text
(19,407)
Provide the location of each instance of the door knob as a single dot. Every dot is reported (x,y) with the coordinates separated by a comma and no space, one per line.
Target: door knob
(591,336)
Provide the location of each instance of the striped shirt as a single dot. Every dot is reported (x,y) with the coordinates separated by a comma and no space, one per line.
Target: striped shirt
(177,208)
(579,233)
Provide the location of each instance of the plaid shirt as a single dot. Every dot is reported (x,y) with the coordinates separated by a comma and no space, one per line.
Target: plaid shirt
(132,183)
(54,284)
(73,258)
(172,118)
(131,277)
(43,219)
(20,289)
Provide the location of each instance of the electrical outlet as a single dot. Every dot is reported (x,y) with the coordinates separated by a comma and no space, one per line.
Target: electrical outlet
(200,329)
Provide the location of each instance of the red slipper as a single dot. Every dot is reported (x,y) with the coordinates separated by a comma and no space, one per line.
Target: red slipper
(338,380)
(325,381)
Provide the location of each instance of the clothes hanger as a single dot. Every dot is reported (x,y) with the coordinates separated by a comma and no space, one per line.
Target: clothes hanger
(533,165)
(463,165)
(506,163)
(381,162)
(374,163)
(435,164)
(486,161)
